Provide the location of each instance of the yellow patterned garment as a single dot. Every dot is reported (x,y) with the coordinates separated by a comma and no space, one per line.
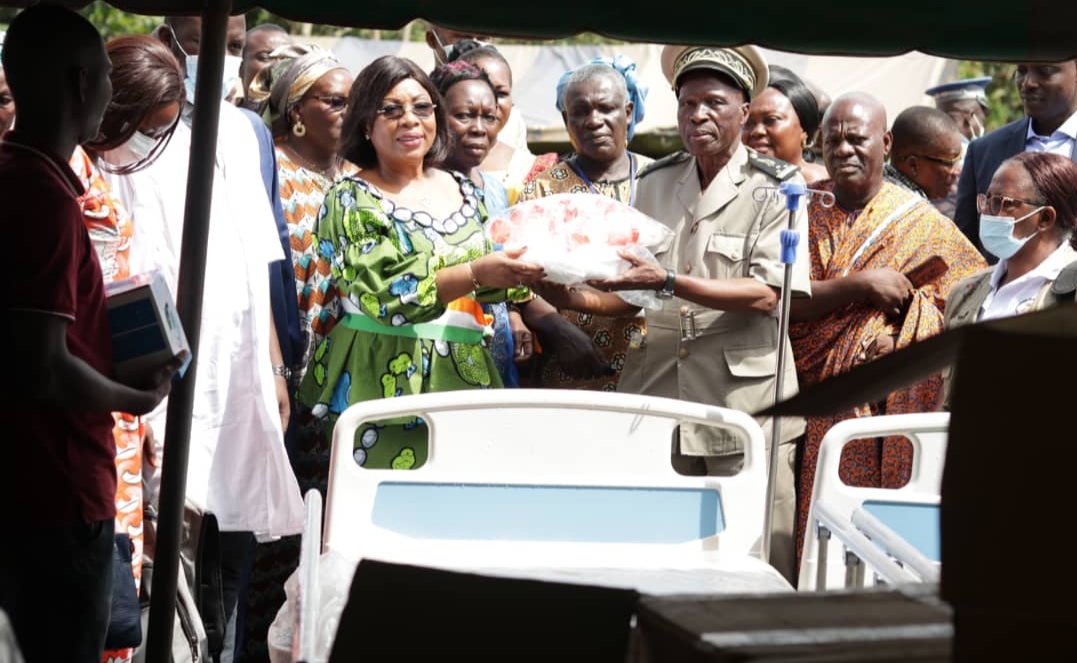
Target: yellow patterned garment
(896,230)
(613,336)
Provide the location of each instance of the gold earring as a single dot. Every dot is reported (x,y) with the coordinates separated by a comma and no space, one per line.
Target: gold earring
(299,129)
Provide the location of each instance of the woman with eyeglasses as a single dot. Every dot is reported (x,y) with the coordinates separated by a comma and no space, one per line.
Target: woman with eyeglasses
(304,99)
(404,245)
(147,95)
(1027,220)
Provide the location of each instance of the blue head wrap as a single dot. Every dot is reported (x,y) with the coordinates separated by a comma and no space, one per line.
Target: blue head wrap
(637,91)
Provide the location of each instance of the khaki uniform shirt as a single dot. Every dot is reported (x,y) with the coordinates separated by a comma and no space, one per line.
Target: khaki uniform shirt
(728,359)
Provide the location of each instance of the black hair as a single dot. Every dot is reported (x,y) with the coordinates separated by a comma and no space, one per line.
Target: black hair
(41,42)
(365,99)
(917,128)
(451,73)
(800,96)
(470,50)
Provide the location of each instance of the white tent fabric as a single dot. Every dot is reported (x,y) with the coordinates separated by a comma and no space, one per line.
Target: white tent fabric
(898,82)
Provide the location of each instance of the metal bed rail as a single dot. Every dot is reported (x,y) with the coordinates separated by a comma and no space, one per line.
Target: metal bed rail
(859,551)
(893,544)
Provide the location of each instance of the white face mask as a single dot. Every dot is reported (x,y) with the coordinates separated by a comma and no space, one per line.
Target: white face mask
(136,149)
(140,145)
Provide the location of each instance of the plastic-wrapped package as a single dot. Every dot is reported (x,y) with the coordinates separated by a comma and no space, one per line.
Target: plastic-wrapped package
(334,583)
(576,236)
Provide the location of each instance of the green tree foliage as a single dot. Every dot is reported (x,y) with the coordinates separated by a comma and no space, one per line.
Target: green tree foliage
(112,22)
(1002,98)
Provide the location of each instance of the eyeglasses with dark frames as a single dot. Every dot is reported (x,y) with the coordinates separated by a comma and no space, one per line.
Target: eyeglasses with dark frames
(334,103)
(423,109)
(993,204)
(946,162)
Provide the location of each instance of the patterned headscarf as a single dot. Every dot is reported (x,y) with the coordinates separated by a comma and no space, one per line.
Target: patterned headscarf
(637,91)
(287,81)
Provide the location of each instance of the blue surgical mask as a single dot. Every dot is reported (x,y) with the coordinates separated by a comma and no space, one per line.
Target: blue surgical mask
(996,234)
(228,80)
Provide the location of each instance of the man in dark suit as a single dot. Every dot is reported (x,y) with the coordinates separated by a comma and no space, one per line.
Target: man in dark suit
(1049,95)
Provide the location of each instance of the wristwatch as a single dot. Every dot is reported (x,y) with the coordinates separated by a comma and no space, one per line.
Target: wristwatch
(666,291)
(283,371)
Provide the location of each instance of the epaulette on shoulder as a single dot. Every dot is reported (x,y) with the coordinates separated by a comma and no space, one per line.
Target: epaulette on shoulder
(668,160)
(1066,281)
(776,168)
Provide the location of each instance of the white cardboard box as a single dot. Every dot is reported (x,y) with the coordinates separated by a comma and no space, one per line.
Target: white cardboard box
(146,329)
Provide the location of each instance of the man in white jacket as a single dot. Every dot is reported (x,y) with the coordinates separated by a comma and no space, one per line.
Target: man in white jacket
(238,468)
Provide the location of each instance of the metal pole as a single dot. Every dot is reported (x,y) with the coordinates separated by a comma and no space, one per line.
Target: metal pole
(189,306)
(822,553)
(789,240)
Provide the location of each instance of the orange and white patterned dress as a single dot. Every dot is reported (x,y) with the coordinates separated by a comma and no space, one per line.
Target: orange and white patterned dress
(301,194)
(110,229)
(897,230)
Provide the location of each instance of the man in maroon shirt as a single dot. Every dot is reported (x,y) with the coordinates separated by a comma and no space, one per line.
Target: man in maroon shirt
(57,472)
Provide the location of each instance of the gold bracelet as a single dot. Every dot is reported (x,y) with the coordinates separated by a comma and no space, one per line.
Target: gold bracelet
(474,281)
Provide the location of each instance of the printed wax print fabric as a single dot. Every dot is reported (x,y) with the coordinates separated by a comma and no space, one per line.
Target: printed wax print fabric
(110,228)
(383,260)
(897,230)
(301,193)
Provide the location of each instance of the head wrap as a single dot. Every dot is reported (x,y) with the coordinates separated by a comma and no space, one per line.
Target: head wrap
(287,81)
(637,91)
(281,58)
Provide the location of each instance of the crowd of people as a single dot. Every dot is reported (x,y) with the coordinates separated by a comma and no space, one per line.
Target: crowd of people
(347,262)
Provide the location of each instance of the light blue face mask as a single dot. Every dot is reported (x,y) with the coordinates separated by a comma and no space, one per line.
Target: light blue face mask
(996,234)
(228,80)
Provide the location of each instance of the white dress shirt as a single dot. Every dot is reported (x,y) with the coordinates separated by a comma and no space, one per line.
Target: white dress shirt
(1061,142)
(1019,296)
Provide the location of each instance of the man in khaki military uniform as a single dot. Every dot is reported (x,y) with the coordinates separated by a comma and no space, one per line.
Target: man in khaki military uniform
(715,340)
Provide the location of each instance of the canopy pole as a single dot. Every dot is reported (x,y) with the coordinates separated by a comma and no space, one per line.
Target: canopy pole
(189,306)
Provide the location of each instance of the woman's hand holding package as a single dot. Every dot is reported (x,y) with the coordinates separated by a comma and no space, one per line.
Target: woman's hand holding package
(503,269)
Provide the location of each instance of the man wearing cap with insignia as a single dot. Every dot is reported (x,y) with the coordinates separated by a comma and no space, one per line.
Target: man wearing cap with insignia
(966,102)
(1049,95)
(715,337)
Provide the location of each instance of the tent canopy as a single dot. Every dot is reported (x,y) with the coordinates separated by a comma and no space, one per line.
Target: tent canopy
(970,29)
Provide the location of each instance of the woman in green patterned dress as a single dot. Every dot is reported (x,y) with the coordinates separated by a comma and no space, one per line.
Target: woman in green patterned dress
(403,244)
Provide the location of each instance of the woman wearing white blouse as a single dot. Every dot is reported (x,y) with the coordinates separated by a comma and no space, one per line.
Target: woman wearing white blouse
(1027,219)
